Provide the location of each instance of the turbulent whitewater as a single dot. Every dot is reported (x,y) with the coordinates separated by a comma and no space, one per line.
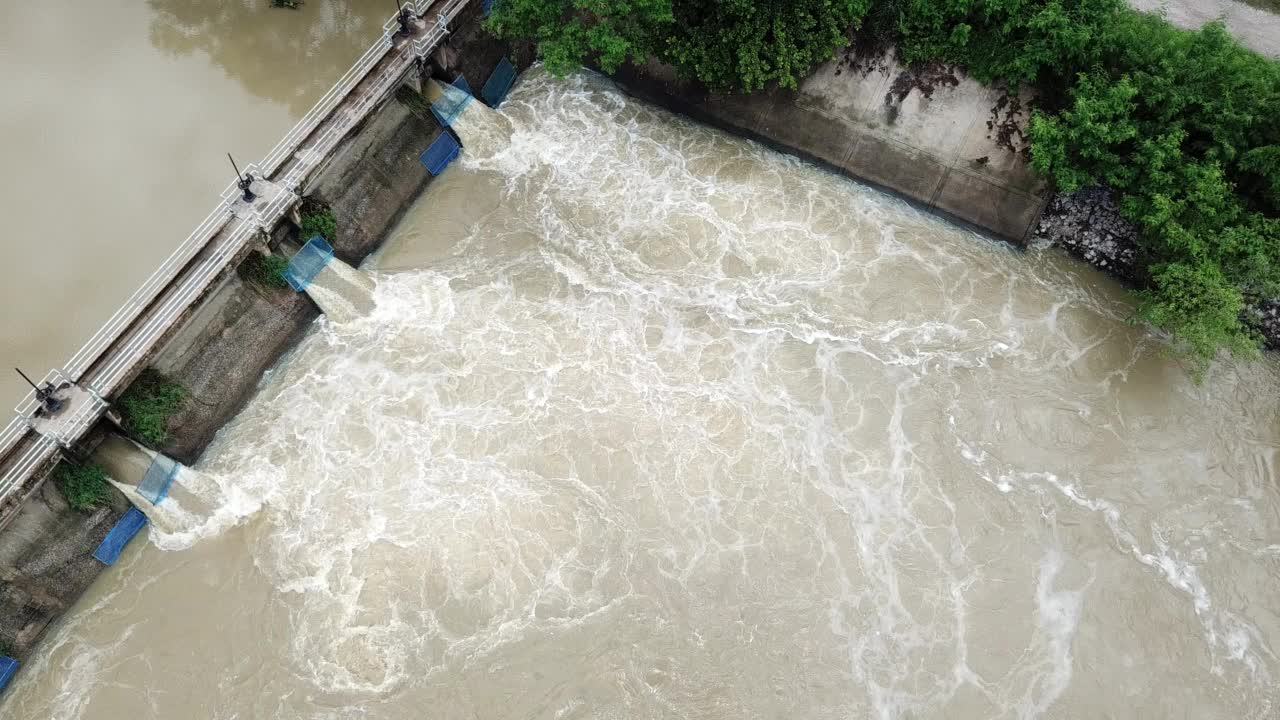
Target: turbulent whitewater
(644,421)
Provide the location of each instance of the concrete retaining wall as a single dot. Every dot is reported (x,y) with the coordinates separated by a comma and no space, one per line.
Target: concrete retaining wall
(936,151)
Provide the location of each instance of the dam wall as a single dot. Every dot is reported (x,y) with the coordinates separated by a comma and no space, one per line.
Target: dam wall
(244,328)
(46,563)
(236,331)
(925,139)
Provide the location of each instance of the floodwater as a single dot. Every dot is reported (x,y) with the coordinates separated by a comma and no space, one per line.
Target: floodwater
(650,422)
(116,120)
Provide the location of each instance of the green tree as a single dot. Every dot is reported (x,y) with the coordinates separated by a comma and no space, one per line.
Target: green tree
(1017,41)
(1201,309)
(569,33)
(747,44)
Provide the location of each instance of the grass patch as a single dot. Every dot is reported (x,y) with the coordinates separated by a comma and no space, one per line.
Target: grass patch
(266,270)
(84,486)
(148,404)
(318,219)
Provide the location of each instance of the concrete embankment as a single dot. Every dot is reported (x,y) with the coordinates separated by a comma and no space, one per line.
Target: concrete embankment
(934,141)
(238,331)
(46,563)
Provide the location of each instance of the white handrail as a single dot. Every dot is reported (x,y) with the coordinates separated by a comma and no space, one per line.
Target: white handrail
(38,453)
(325,105)
(163,275)
(158,322)
(12,433)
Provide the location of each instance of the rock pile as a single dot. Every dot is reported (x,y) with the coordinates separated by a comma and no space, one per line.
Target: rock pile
(1088,224)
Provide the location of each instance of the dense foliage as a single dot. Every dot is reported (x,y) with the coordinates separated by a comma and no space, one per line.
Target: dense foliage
(1186,128)
(727,44)
(1183,126)
(746,44)
(148,404)
(84,486)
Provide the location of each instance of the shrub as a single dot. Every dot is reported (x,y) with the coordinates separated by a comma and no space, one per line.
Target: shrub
(266,270)
(318,219)
(148,404)
(571,32)
(84,486)
(747,44)
(1182,125)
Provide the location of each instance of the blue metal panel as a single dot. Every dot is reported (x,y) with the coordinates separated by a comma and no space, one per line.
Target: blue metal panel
(461,83)
(309,261)
(488,6)
(442,152)
(499,82)
(8,666)
(113,544)
(450,104)
(155,484)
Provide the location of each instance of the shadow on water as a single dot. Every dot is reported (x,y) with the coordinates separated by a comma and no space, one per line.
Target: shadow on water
(283,55)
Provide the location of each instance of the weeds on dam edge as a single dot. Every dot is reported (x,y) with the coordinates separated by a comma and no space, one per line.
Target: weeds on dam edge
(317,219)
(148,404)
(84,486)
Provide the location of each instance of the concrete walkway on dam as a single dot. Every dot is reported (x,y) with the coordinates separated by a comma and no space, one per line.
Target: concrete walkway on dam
(1255,28)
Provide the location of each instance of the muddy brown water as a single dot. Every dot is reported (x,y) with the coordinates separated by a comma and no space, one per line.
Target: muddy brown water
(649,422)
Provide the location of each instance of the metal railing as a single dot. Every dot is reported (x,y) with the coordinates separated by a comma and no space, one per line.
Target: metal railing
(440,31)
(325,105)
(37,454)
(144,296)
(141,341)
(104,382)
